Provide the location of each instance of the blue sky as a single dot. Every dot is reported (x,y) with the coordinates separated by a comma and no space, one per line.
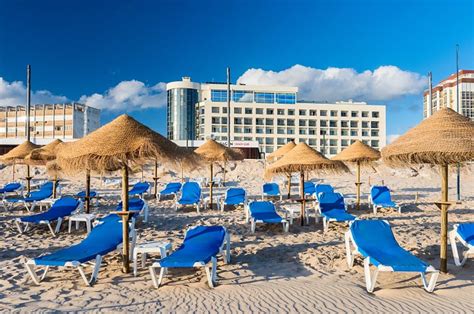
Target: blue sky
(105,51)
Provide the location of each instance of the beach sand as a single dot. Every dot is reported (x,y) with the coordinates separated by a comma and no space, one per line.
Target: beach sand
(270,271)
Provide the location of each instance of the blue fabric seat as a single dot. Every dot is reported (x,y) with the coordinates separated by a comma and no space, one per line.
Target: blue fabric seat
(137,206)
(171,188)
(380,198)
(82,194)
(190,195)
(233,196)
(271,189)
(139,188)
(374,240)
(11,187)
(200,247)
(43,193)
(464,233)
(309,188)
(264,212)
(332,208)
(322,188)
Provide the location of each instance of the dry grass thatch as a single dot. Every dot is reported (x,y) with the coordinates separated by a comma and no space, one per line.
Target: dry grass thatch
(213,151)
(303,158)
(358,152)
(40,156)
(124,141)
(19,153)
(444,138)
(280,152)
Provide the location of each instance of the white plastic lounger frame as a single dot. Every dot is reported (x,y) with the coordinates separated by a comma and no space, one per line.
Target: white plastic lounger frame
(265,195)
(221,202)
(30,265)
(210,267)
(453,237)
(253,221)
(197,205)
(376,207)
(371,278)
(326,221)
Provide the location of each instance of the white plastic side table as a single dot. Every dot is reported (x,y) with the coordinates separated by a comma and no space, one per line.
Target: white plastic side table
(86,218)
(161,247)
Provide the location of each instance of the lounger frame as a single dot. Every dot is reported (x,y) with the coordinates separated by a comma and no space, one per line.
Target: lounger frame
(221,202)
(197,205)
(210,267)
(265,195)
(375,207)
(371,278)
(326,220)
(453,238)
(254,222)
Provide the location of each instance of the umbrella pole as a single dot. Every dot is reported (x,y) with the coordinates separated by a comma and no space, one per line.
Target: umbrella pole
(143,176)
(125,252)
(289,185)
(444,219)
(303,204)
(358,183)
(13,172)
(224,174)
(55,185)
(87,198)
(155,179)
(28,179)
(211,183)
(182,173)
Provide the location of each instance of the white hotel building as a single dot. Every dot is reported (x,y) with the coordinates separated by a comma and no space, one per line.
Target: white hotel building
(271,116)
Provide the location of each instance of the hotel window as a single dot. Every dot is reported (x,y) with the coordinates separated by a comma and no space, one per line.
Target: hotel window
(312,142)
(313,113)
(302,131)
(290,131)
(312,122)
(281,121)
(354,114)
(365,114)
(291,112)
(280,131)
(323,113)
(259,140)
(265,98)
(375,114)
(333,132)
(259,121)
(224,109)
(333,151)
(269,111)
(322,131)
(215,129)
(215,109)
(248,111)
(258,110)
(248,121)
(242,96)
(374,124)
(344,143)
(237,130)
(290,122)
(237,120)
(285,98)
(353,132)
(259,130)
(343,113)
(269,121)
(323,123)
(247,130)
(333,124)
(224,120)
(365,133)
(281,141)
(218,95)
(333,113)
(344,124)
(354,124)
(216,120)
(281,112)
(365,124)
(332,142)
(302,122)
(375,143)
(302,112)
(269,140)
(269,131)
(374,133)
(247,138)
(224,129)
(312,131)
(237,110)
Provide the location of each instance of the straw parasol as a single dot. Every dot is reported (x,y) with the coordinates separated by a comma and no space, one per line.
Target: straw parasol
(280,152)
(303,158)
(215,152)
(118,145)
(444,138)
(18,154)
(358,153)
(41,156)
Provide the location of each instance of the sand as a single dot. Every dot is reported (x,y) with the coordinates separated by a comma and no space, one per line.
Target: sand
(270,271)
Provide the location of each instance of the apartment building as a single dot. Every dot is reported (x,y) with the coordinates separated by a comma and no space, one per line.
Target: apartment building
(444,94)
(273,115)
(47,122)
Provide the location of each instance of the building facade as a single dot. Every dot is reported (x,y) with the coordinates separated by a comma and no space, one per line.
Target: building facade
(445,95)
(47,122)
(272,116)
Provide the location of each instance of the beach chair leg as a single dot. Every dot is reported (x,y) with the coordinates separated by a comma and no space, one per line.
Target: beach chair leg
(18,226)
(95,271)
(370,279)
(210,272)
(252,226)
(431,285)
(27,226)
(349,254)
(31,270)
(227,249)
(214,270)
(58,225)
(374,209)
(399,209)
(325,224)
(160,278)
(145,213)
(286,226)
(83,275)
(51,229)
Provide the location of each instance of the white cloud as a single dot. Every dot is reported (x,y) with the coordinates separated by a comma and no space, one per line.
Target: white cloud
(128,95)
(382,84)
(14,93)
(392,137)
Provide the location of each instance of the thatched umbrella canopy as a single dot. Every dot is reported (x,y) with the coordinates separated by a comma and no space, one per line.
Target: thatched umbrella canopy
(280,152)
(120,144)
(304,159)
(213,151)
(17,155)
(444,138)
(41,156)
(358,153)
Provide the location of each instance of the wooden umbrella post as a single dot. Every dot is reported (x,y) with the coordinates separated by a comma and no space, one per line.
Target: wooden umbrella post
(125,232)
(87,198)
(211,183)
(444,219)
(55,185)
(303,203)
(28,179)
(155,179)
(358,183)
(182,173)
(13,172)
(289,185)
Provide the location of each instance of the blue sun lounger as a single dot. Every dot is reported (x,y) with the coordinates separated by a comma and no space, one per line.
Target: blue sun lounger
(171,188)
(271,189)
(332,208)
(374,240)
(139,189)
(322,188)
(190,196)
(32,199)
(106,237)
(60,209)
(12,187)
(233,197)
(137,206)
(201,247)
(465,234)
(309,188)
(82,195)
(264,212)
(380,198)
